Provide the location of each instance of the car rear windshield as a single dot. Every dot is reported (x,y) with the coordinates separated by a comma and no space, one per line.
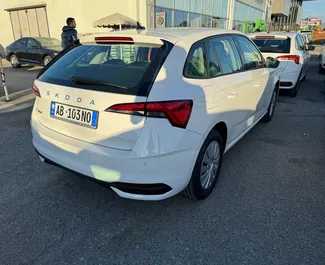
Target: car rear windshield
(273,45)
(115,68)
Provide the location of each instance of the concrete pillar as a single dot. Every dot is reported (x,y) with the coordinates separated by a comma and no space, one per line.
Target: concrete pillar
(230,13)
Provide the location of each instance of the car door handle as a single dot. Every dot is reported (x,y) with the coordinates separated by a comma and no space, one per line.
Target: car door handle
(232,95)
(257,84)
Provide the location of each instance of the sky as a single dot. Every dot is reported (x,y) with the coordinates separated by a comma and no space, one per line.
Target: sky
(314,9)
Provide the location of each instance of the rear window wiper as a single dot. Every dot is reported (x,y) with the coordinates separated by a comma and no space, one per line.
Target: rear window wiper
(82,81)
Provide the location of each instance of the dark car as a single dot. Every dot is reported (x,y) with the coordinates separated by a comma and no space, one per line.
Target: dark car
(39,50)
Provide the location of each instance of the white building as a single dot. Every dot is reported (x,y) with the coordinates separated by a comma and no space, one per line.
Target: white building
(21,18)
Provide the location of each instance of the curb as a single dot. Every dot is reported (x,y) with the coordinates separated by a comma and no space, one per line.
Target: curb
(18,100)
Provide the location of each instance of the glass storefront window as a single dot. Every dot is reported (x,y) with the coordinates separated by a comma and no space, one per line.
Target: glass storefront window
(241,12)
(224,8)
(236,8)
(216,23)
(168,14)
(224,22)
(217,8)
(180,19)
(165,3)
(207,7)
(182,4)
(206,21)
(195,20)
(247,13)
(196,6)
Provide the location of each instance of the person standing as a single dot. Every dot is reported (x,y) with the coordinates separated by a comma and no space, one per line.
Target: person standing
(69,33)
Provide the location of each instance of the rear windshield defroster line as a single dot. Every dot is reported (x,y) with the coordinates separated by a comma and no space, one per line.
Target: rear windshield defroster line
(114,68)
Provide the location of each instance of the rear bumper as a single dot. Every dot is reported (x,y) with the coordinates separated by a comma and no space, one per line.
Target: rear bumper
(291,77)
(164,174)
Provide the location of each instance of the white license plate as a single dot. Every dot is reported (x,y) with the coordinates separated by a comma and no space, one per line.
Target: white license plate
(83,117)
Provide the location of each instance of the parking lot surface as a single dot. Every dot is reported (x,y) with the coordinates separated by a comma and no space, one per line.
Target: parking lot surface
(267,208)
(18,79)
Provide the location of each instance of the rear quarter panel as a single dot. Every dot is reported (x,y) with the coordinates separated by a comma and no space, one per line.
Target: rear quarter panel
(170,84)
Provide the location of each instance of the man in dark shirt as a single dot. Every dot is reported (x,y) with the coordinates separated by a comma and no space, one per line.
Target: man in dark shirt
(69,33)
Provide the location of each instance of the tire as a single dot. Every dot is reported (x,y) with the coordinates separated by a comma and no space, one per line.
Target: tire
(294,90)
(321,70)
(46,60)
(305,76)
(270,111)
(14,61)
(195,188)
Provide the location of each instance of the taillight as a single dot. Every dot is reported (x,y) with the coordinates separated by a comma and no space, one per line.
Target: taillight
(113,39)
(264,37)
(286,84)
(294,58)
(36,90)
(178,112)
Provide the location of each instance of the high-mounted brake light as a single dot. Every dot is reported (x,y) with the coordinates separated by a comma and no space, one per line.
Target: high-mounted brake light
(294,58)
(264,37)
(177,112)
(36,90)
(113,39)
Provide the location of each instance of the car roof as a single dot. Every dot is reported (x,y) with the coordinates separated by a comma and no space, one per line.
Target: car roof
(169,34)
(279,33)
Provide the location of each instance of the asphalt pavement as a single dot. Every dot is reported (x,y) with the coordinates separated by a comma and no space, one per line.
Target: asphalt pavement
(18,79)
(268,206)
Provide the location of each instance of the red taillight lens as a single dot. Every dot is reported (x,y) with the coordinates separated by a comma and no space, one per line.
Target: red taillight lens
(264,37)
(36,90)
(287,84)
(177,112)
(113,39)
(294,58)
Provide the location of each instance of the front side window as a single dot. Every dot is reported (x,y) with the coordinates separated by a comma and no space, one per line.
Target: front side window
(196,63)
(251,55)
(227,53)
(31,43)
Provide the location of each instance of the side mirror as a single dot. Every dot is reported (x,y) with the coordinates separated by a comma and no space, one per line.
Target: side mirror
(311,48)
(272,62)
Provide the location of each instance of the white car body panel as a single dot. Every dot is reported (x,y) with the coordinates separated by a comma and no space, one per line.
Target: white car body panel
(132,149)
(288,71)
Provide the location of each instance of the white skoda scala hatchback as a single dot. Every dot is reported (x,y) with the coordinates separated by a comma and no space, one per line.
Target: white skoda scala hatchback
(152,113)
(291,50)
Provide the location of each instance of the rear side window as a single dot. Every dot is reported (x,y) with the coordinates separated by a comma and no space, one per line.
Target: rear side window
(251,55)
(300,45)
(196,63)
(273,45)
(114,68)
(21,43)
(227,53)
